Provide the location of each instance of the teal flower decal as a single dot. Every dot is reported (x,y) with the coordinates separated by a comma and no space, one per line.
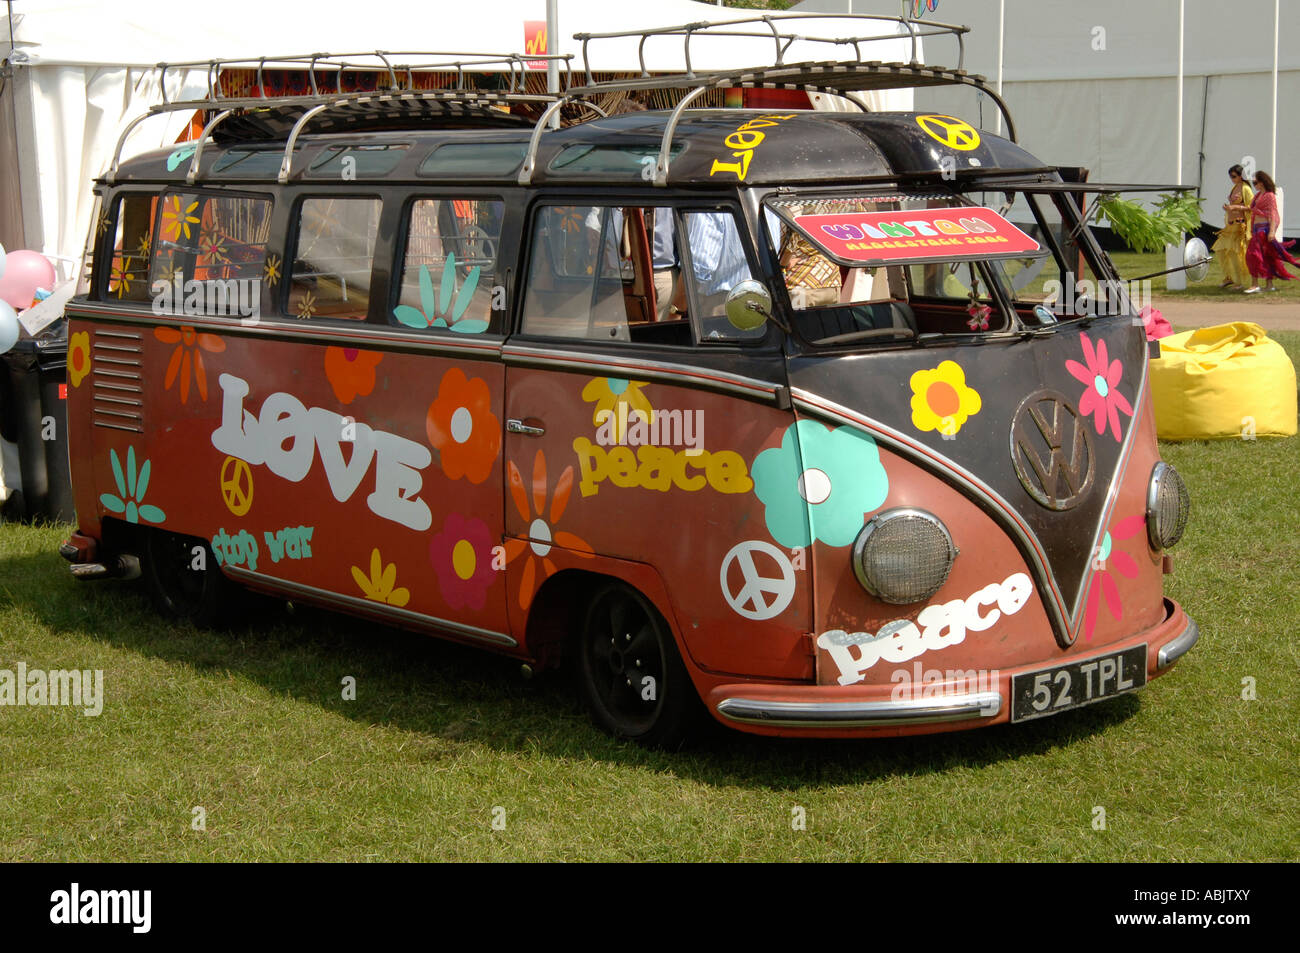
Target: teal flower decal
(178,156)
(836,483)
(435,313)
(131,487)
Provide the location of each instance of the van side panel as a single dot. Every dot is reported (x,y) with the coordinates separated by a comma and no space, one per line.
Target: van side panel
(337,468)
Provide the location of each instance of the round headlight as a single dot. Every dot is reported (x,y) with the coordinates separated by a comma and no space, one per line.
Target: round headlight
(903,555)
(1168,507)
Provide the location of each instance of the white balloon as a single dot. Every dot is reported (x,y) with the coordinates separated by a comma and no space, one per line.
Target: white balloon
(8,327)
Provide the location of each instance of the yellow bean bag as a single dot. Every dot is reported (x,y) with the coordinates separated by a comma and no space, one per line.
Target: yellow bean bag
(1227,381)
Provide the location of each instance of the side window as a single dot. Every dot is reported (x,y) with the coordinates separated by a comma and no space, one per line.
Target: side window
(449,269)
(128,278)
(216,239)
(575,284)
(718,264)
(634,273)
(332,261)
(953,282)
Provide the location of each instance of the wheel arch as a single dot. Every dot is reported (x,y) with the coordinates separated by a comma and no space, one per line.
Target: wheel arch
(557,612)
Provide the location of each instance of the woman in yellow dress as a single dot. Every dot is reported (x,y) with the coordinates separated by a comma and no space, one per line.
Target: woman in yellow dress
(1230,246)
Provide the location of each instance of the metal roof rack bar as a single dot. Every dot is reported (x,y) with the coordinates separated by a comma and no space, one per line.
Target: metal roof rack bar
(230,104)
(530,157)
(286,162)
(831,77)
(811,77)
(476,98)
(193,173)
(665,144)
(434,61)
(661,164)
(771,28)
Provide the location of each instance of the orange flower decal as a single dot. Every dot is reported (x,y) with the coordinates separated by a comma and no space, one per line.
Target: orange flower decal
(351,372)
(541,532)
(188,352)
(78,357)
(462,427)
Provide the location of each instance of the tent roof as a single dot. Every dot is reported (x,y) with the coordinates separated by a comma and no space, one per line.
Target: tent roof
(147,32)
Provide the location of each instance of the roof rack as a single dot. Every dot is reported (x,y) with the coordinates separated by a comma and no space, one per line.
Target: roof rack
(430,61)
(401,89)
(769,29)
(838,77)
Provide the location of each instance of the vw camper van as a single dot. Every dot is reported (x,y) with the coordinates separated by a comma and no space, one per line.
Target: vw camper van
(789,418)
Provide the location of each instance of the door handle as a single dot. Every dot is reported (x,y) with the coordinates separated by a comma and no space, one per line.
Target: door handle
(518,426)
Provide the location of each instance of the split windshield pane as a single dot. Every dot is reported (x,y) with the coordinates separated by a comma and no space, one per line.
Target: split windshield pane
(888,267)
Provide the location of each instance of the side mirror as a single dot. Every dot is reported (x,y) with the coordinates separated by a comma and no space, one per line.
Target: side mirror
(1196,259)
(749,305)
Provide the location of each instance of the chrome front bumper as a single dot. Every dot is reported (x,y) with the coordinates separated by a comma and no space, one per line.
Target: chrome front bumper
(913,711)
(1174,649)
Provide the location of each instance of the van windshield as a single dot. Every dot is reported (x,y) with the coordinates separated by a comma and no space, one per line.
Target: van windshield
(888,267)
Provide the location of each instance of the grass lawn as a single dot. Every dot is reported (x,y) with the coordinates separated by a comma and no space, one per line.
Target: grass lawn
(1133,264)
(251,726)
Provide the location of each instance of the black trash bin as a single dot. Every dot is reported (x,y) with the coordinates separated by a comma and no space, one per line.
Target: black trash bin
(34,416)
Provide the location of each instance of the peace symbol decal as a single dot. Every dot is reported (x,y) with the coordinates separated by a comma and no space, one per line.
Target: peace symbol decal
(950,131)
(763,593)
(236,485)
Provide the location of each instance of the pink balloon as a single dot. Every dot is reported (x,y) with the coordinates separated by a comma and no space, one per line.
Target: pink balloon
(25,271)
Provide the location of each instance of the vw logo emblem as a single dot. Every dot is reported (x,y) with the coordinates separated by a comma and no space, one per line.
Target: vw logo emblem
(1051,450)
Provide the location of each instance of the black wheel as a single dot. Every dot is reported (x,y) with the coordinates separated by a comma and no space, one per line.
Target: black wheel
(184,581)
(632,676)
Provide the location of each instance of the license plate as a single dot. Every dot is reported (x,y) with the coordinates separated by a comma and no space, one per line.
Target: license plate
(1049,690)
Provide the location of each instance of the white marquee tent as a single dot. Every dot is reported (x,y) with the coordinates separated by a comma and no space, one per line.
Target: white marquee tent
(81,69)
(1095,85)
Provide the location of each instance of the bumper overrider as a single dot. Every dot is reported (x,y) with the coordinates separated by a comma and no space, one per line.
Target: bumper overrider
(866,710)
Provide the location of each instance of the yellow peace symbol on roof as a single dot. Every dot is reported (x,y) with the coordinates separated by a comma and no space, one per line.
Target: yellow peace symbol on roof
(952,132)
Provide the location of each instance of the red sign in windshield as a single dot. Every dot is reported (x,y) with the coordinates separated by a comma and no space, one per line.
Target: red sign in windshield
(932,233)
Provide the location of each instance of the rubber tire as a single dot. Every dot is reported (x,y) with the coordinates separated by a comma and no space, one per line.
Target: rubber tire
(204,597)
(620,613)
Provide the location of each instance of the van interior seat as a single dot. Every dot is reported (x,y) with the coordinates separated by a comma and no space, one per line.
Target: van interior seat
(871,315)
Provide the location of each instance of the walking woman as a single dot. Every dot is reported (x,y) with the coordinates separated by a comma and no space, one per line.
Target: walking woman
(1230,246)
(1266,253)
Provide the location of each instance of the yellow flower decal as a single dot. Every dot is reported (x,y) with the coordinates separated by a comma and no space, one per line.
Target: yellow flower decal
(78,357)
(119,282)
(380,585)
(306,307)
(271,269)
(941,400)
(617,398)
(177,219)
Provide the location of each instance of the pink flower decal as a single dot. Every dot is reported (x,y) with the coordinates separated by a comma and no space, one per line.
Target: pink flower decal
(1103,583)
(462,556)
(1102,398)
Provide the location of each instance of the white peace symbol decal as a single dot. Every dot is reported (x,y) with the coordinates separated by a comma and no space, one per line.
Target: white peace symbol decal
(752,600)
